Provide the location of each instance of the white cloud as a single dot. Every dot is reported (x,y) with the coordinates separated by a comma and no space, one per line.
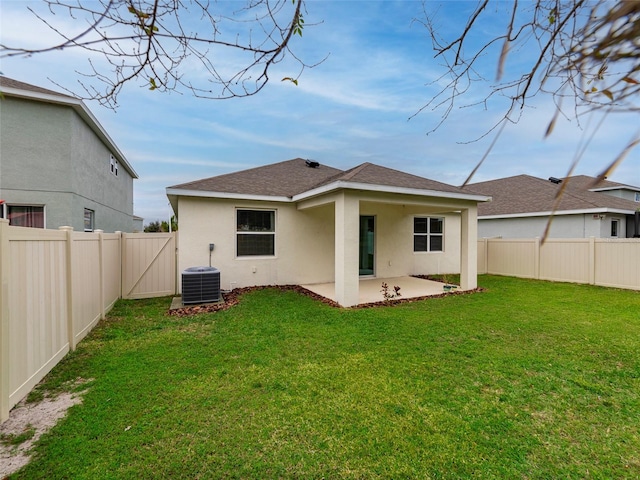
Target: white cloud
(350,109)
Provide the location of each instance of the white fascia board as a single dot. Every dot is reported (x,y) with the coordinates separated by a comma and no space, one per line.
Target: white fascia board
(386,189)
(555,214)
(619,187)
(226,195)
(82,110)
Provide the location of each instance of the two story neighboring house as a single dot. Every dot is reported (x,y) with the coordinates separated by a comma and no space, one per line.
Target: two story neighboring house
(58,166)
(521,207)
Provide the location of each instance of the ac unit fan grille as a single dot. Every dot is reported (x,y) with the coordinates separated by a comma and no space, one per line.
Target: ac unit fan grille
(200,285)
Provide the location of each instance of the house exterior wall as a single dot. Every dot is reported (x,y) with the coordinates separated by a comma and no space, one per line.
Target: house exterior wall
(394,241)
(562,226)
(49,156)
(605,226)
(305,242)
(95,187)
(625,194)
(304,248)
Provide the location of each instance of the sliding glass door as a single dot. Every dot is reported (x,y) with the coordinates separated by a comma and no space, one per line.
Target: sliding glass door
(367,245)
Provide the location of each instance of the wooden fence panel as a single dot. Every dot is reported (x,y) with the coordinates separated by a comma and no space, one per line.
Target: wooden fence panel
(565,260)
(148,265)
(605,262)
(617,263)
(55,285)
(87,283)
(515,257)
(37,317)
(111,269)
(482,256)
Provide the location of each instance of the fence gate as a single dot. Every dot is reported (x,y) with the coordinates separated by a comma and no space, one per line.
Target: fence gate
(148,265)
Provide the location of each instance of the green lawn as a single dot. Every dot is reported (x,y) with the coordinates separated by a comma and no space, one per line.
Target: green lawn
(526,380)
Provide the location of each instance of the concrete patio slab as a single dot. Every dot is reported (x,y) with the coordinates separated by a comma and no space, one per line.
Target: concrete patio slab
(371,288)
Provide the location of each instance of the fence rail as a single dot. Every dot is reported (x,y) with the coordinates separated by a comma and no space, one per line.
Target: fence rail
(595,261)
(55,285)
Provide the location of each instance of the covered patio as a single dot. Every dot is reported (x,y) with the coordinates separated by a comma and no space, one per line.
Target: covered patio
(370,289)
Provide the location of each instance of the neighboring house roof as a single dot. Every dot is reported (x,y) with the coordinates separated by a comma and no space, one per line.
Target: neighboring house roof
(524,195)
(6,82)
(14,88)
(294,180)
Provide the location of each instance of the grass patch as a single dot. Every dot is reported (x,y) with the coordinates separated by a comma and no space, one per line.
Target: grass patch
(526,380)
(14,439)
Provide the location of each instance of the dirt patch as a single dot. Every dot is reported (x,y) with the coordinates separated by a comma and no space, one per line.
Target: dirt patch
(30,421)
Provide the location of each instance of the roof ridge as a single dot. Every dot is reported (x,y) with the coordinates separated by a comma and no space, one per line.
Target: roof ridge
(8,82)
(235,172)
(575,195)
(349,174)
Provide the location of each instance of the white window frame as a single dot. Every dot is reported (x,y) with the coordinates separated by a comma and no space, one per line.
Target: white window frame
(637,197)
(113,165)
(252,232)
(428,234)
(93,220)
(615,230)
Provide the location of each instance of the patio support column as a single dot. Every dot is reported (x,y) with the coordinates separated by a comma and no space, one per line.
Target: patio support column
(347,240)
(469,248)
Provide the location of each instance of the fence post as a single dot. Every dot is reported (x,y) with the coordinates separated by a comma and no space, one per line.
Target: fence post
(71,333)
(4,319)
(123,258)
(101,267)
(176,277)
(592,260)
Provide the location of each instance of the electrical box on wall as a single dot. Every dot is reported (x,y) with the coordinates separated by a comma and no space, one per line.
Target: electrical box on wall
(211,245)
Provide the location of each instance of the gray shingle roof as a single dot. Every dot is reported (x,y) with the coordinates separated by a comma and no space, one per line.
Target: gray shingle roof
(372,174)
(293,177)
(6,82)
(527,194)
(283,179)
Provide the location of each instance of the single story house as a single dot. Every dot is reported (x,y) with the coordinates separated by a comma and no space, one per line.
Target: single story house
(521,206)
(301,222)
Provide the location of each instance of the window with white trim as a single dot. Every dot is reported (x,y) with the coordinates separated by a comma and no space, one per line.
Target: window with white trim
(113,165)
(89,220)
(255,233)
(614,228)
(637,197)
(428,234)
(26,216)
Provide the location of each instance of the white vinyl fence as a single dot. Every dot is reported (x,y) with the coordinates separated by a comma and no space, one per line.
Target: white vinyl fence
(55,285)
(595,261)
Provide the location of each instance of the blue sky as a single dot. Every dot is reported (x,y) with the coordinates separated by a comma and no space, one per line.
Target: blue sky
(357,106)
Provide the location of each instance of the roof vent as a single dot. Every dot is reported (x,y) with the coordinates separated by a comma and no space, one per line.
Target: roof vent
(555,180)
(312,164)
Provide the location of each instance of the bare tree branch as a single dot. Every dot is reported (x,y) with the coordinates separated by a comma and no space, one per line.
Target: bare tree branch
(175,45)
(586,50)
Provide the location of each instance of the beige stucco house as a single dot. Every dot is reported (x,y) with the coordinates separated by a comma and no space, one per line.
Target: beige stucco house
(301,222)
